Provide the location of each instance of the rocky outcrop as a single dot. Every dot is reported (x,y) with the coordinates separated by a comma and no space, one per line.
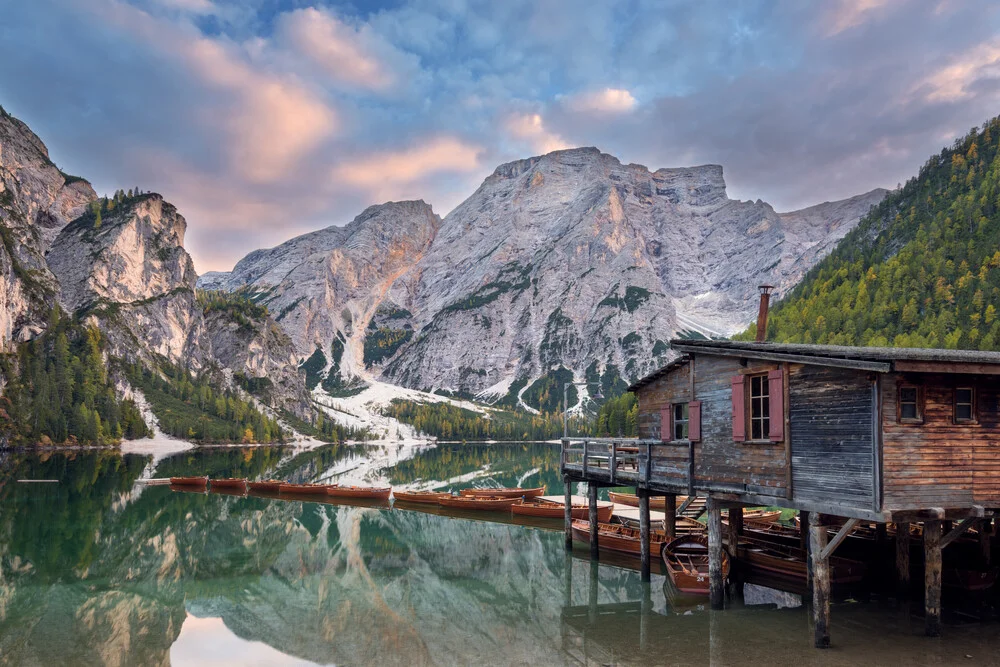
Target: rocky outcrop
(36,201)
(569,260)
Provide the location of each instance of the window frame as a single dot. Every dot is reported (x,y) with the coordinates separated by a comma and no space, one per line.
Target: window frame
(974,413)
(674,421)
(918,403)
(765,414)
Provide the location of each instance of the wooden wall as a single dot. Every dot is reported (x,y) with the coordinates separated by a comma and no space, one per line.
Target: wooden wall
(832,424)
(939,463)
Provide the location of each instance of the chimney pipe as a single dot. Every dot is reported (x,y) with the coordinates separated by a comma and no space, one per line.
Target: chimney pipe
(765,300)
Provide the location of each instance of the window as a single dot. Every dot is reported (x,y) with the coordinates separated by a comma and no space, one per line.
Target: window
(965,405)
(909,404)
(760,408)
(680,421)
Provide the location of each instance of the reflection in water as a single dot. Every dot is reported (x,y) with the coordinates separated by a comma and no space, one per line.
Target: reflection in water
(95,571)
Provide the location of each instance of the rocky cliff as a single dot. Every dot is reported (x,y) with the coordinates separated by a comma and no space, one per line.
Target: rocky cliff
(570,260)
(36,201)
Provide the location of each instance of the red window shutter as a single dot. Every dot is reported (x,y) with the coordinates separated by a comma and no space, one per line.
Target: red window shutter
(694,421)
(665,431)
(776,401)
(739,410)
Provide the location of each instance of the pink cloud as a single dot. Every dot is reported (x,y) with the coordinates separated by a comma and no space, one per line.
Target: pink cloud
(385,170)
(952,81)
(604,101)
(530,129)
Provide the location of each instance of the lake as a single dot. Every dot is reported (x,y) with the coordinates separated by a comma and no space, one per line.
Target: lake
(100,569)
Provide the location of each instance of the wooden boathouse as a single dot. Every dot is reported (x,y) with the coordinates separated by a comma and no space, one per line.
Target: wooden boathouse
(842,434)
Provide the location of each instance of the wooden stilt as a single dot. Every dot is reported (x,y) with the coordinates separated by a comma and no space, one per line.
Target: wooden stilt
(902,559)
(986,541)
(805,545)
(820,580)
(735,530)
(644,532)
(670,515)
(932,578)
(568,512)
(592,496)
(716,586)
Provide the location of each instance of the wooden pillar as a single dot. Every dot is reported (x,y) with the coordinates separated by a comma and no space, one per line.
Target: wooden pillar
(804,530)
(932,578)
(670,515)
(592,593)
(592,495)
(716,586)
(568,581)
(820,581)
(644,532)
(902,558)
(568,512)
(735,530)
(986,541)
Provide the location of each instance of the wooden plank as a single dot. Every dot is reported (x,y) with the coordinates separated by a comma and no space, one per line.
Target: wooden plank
(958,530)
(946,367)
(841,535)
(879,367)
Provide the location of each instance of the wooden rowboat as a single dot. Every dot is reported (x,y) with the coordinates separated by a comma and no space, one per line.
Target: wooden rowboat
(189,481)
(616,537)
(504,493)
(304,489)
(550,510)
(426,497)
(658,503)
(230,483)
(480,503)
(969,580)
(265,485)
(686,559)
(791,561)
(367,492)
(762,516)
(683,525)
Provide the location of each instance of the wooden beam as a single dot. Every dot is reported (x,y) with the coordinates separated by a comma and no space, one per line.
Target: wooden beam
(716,585)
(670,515)
(877,366)
(568,511)
(903,559)
(735,530)
(937,514)
(957,531)
(841,535)
(592,497)
(820,581)
(932,578)
(946,367)
(644,533)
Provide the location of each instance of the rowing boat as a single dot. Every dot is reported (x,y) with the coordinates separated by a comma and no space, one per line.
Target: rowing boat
(481,503)
(658,503)
(616,537)
(550,510)
(189,481)
(267,485)
(683,525)
(791,561)
(762,516)
(367,492)
(426,497)
(504,493)
(230,483)
(686,559)
(304,489)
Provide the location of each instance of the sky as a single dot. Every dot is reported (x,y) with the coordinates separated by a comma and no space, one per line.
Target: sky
(264,119)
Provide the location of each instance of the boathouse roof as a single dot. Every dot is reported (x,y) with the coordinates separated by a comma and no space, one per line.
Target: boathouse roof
(876,359)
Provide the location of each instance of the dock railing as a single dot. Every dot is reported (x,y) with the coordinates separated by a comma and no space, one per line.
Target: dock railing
(629,461)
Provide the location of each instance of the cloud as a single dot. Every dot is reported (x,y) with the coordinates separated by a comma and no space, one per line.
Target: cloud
(190,6)
(848,14)
(343,53)
(530,128)
(955,80)
(605,101)
(386,170)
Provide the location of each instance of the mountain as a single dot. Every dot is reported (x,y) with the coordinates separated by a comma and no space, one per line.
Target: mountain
(118,266)
(567,263)
(36,201)
(921,270)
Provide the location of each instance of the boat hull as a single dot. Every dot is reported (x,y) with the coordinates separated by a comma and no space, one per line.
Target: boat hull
(361,492)
(478,503)
(424,497)
(229,484)
(303,489)
(658,503)
(686,559)
(269,486)
(791,562)
(503,493)
(618,538)
(189,481)
(557,511)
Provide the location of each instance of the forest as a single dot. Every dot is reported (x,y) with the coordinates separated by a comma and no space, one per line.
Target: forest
(614,418)
(58,391)
(922,269)
(190,407)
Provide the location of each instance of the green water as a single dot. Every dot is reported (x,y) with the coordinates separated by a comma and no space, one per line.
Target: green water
(100,570)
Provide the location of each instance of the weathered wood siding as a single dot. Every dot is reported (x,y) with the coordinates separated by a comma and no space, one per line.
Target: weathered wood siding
(831,418)
(939,463)
(720,463)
